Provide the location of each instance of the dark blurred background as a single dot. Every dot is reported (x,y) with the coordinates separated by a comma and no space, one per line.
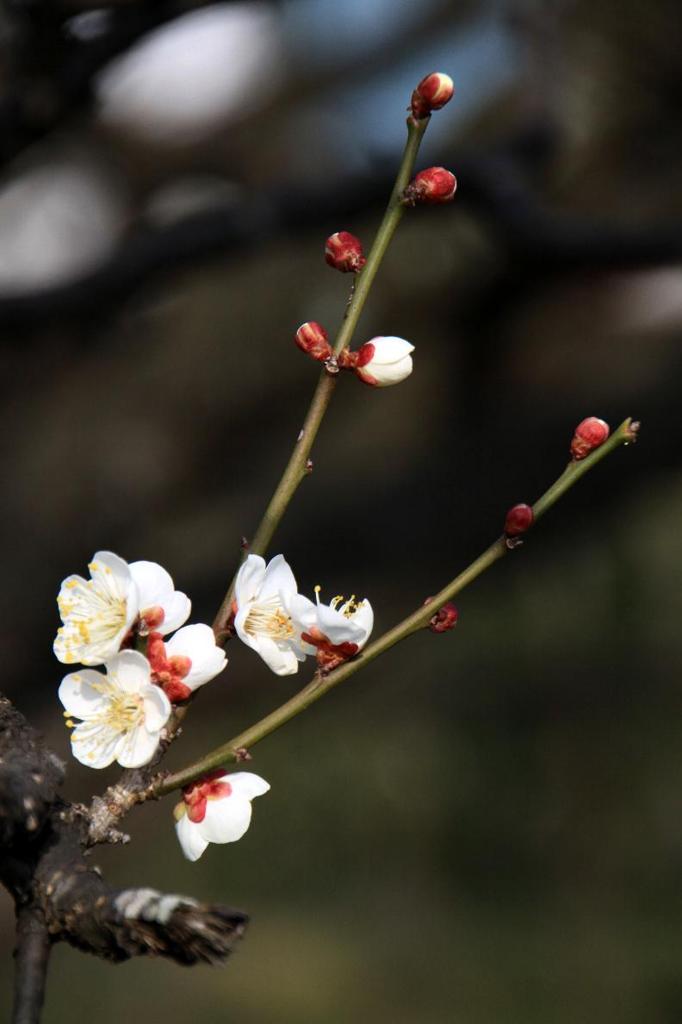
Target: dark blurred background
(484,826)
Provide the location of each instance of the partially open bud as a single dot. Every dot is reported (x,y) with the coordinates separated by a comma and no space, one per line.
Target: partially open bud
(343,251)
(432,93)
(434,185)
(518,520)
(444,619)
(312,339)
(589,434)
(384,361)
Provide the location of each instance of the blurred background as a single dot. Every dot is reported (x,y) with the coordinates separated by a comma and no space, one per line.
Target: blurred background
(484,826)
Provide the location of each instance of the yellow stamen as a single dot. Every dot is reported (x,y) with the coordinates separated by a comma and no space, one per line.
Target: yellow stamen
(269,618)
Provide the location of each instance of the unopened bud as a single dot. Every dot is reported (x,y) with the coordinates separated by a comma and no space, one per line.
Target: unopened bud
(343,251)
(444,619)
(589,434)
(434,185)
(432,93)
(384,361)
(518,520)
(312,339)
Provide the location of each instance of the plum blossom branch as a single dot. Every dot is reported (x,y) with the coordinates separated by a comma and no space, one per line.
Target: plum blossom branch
(297,467)
(319,685)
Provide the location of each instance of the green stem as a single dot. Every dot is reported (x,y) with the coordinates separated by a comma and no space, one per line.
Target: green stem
(319,685)
(296,470)
(387,228)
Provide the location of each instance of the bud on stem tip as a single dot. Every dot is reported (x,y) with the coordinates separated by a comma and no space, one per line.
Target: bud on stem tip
(432,93)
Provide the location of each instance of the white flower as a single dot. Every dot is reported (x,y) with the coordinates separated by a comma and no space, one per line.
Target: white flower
(262,619)
(216,809)
(98,613)
(384,361)
(337,630)
(186,661)
(122,712)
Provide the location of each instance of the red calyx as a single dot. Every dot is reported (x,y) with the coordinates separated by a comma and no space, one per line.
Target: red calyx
(589,434)
(312,339)
(344,252)
(168,673)
(329,655)
(151,618)
(347,360)
(198,793)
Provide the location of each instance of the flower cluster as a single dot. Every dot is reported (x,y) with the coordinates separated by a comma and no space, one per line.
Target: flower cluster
(284,627)
(123,710)
(121,617)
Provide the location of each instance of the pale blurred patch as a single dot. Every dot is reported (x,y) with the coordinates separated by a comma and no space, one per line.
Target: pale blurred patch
(58,219)
(203,70)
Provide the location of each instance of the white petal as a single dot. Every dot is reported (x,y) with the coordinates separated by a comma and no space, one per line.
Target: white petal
(94,746)
(302,610)
(246,784)
(280,660)
(249,580)
(197,642)
(192,842)
(390,349)
(157,709)
(137,748)
(391,373)
(279,579)
(112,573)
(155,587)
(363,618)
(78,694)
(131,671)
(337,628)
(240,618)
(226,819)
(177,611)
(69,646)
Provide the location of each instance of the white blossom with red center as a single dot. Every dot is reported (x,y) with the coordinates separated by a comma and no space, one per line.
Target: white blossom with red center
(262,617)
(185,662)
(97,614)
(337,631)
(123,714)
(216,809)
(384,361)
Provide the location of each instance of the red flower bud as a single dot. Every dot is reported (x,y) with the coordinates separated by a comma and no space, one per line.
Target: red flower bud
(434,185)
(518,520)
(444,619)
(589,434)
(312,339)
(432,93)
(343,251)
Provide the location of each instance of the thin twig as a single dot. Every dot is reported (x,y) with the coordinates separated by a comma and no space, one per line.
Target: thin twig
(295,470)
(320,684)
